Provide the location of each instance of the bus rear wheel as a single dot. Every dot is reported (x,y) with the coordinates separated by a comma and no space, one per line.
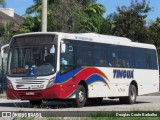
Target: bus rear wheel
(131,99)
(80,99)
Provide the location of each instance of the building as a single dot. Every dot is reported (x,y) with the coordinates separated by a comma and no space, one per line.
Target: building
(11,20)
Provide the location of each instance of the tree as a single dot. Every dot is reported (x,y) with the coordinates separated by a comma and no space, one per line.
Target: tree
(95,9)
(3,3)
(30,24)
(64,15)
(69,16)
(92,19)
(154,33)
(5,32)
(37,7)
(37,10)
(130,21)
(108,26)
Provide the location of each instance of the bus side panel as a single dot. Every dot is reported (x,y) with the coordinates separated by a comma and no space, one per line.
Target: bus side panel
(113,88)
(95,79)
(99,89)
(148,81)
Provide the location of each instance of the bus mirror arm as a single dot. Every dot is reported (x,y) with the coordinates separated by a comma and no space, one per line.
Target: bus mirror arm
(2,49)
(63,48)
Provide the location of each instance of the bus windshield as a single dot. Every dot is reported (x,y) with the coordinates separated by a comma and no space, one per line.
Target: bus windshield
(32,61)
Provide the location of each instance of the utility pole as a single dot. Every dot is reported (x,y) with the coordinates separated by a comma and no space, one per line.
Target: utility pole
(44,15)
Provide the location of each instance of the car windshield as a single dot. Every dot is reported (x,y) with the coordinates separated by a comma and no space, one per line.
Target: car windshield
(32,61)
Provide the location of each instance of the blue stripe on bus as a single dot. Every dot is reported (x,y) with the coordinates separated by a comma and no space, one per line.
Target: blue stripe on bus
(95,78)
(63,78)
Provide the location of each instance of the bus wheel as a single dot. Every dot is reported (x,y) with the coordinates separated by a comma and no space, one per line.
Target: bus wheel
(95,100)
(131,99)
(132,94)
(35,102)
(80,99)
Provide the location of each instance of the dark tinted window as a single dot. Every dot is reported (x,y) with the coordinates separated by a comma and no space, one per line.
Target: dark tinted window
(140,58)
(101,55)
(108,55)
(125,57)
(145,58)
(83,53)
(151,59)
(67,62)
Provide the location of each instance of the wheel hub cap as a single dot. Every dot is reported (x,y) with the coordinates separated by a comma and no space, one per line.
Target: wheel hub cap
(81,96)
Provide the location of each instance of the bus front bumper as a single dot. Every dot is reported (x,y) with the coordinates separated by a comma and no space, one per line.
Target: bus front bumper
(50,93)
(56,92)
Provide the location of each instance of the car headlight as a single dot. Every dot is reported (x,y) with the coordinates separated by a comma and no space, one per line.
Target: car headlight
(51,83)
(9,84)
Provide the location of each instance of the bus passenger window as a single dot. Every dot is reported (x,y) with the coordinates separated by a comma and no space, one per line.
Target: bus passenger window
(66,60)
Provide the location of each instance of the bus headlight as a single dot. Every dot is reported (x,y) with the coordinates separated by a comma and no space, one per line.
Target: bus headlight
(51,83)
(9,84)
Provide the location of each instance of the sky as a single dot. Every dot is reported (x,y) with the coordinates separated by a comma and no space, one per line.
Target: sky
(110,5)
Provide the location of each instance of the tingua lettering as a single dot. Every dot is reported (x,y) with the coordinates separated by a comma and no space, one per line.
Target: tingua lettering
(119,74)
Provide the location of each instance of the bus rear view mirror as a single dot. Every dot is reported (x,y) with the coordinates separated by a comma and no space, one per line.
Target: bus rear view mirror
(63,48)
(52,50)
(2,49)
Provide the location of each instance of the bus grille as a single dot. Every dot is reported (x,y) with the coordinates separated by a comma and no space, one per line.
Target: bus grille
(27,84)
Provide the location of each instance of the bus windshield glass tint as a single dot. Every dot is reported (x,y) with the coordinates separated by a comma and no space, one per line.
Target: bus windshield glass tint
(32,60)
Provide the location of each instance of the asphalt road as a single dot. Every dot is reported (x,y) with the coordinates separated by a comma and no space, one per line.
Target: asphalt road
(143,103)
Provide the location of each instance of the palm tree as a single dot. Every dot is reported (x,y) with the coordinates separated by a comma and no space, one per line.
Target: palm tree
(3,3)
(95,9)
(93,18)
(37,7)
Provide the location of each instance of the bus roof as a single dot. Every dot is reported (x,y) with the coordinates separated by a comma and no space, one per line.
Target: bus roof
(93,37)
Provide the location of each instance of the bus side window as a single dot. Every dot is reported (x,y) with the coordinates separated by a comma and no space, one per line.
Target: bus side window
(67,59)
(83,53)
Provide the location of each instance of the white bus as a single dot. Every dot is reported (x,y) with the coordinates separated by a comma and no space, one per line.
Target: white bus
(80,67)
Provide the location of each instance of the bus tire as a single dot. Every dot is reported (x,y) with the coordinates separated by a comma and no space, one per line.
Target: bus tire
(132,94)
(95,100)
(35,102)
(131,99)
(80,99)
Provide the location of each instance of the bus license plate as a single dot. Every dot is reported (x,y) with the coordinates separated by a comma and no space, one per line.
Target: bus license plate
(30,93)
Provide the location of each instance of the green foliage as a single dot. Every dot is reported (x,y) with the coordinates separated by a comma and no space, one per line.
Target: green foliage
(108,26)
(67,16)
(5,32)
(63,15)
(91,19)
(90,24)
(5,39)
(95,9)
(30,24)
(154,33)
(87,16)
(130,21)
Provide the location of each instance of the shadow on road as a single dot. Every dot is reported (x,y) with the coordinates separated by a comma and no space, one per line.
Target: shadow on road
(62,105)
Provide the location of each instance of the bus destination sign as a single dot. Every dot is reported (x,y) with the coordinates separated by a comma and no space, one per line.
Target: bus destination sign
(40,39)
